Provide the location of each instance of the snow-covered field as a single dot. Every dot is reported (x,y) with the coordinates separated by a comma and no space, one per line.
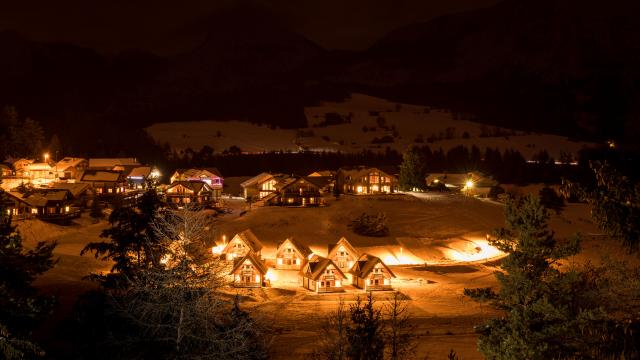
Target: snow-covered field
(431,229)
(402,123)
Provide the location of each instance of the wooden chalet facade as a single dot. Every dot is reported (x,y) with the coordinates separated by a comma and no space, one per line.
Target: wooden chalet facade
(242,244)
(46,204)
(211,176)
(70,168)
(291,255)
(344,255)
(321,275)
(105,182)
(261,186)
(365,181)
(286,190)
(249,271)
(193,193)
(370,274)
(296,191)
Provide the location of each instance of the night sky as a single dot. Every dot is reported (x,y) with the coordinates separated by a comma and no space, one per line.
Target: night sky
(170,26)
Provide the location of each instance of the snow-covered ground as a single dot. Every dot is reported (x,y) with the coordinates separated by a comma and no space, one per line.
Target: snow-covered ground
(363,111)
(429,229)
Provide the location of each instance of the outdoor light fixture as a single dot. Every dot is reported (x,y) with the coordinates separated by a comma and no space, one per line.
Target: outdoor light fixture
(46,157)
(469,184)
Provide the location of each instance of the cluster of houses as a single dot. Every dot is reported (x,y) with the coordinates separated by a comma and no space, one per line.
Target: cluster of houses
(310,190)
(54,190)
(58,190)
(342,266)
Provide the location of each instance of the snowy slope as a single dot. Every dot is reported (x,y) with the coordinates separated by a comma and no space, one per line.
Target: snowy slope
(409,121)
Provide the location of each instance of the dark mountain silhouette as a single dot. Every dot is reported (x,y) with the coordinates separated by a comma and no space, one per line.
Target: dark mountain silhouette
(556,65)
(563,66)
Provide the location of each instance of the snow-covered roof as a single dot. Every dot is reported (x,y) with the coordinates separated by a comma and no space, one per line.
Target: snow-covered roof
(300,247)
(40,166)
(102,176)
(68,162)
(209,172)
(140,172)
(112,162)
(255,261)
(256,179)
(316,266)
(365,264)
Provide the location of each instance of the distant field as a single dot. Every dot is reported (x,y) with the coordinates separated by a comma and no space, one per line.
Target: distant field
(387,124)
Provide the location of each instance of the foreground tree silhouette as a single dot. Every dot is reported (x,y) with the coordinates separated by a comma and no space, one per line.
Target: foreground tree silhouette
(412,170)
(174,308)
(365,331)
(615,202)
(21,307)
(131,243)
(549,313)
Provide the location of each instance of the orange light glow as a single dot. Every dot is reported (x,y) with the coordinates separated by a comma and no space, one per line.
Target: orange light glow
(477,250)
(271,275)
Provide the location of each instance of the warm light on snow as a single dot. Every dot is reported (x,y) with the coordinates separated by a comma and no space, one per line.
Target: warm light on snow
(271,275)
(476,250)
(217,250)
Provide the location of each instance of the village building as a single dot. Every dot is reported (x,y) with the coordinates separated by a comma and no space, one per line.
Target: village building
(115,164)
(363,180)
(296,191)
(21,165)
(291,255)
(261,185)
(241,244)
(211,176)
(470,183)
(344,255)
(249,271)
(286,190)
(105,182)
(5,170)
(323,173)
(138,176)
(70,168)
(321,275)
(80,193)
(194,193)
(46,204)
(370,273)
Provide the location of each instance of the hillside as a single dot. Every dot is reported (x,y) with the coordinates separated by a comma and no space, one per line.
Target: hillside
(410,122)
(566,65)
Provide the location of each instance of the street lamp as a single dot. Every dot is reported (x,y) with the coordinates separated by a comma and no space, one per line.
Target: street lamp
(46,157)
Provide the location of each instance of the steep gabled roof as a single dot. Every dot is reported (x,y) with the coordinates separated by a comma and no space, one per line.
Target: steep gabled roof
(365,264)
(322,173)
(301,248)
(253,258)
(195,186)
(343,241)
(319,181)
(197,172)
(256,179)
(359,171)
(74,188)
(248,238)
(316,266)
(68,162)
(140,172)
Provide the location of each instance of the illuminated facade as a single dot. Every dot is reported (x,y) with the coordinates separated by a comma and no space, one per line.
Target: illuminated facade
(365,181)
